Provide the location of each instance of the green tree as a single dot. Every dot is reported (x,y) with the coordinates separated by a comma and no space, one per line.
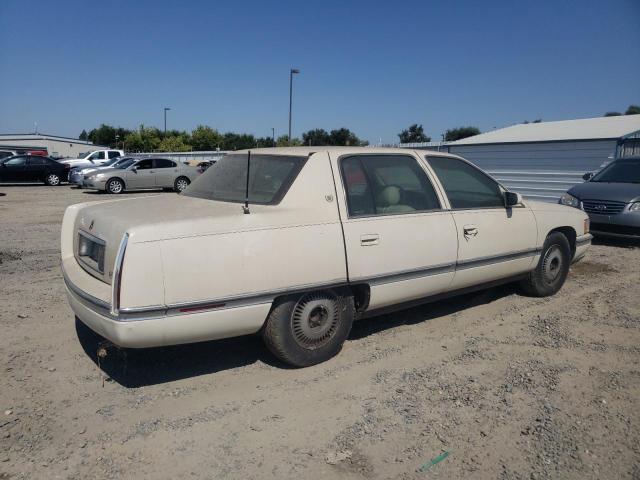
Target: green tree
(83,135)
(103,135)
(414,134)
(205,138)
(283,141)
(177,143)
(344,136)
(145,139)
(265,142)
(633,110)
(238,141)
(316,137)
(612,114)
(454,134)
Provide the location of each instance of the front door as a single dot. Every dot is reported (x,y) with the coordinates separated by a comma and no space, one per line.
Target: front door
(398,238)
(494,242)
(141,175)
(13,170)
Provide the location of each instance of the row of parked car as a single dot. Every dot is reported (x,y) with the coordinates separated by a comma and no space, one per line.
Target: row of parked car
(106,170)
(611,197)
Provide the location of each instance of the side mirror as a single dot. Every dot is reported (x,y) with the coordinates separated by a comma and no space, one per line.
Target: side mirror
(587,176)
(134,169)
(511,199)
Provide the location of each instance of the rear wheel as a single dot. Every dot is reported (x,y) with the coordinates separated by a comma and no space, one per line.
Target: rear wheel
(307,329)
(552,269)
(52,179)
(180,184)
(115,185)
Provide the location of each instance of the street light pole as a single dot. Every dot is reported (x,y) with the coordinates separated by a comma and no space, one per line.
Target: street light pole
(291,73)
(273,136)
(165,120)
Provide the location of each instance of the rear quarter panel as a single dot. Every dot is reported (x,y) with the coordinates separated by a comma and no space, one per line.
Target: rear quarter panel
(295,244)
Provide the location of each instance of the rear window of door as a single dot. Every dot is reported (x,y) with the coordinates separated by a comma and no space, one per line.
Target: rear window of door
(144,164)
(465,185)
(386,184)
(37,161)
(113,154)
(163,163)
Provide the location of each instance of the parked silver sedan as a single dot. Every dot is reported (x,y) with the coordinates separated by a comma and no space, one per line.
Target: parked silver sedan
(77,174)
(142,174)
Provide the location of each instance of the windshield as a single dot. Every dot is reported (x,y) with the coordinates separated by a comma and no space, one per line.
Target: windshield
(270,178)
(124,163)
(620,171)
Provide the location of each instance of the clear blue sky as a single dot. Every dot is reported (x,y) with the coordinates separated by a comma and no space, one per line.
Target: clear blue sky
(374,67)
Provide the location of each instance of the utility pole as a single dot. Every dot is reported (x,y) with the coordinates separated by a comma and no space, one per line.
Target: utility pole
(291,73)
(165,120)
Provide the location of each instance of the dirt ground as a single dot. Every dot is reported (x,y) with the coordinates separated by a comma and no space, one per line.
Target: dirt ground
(495,384)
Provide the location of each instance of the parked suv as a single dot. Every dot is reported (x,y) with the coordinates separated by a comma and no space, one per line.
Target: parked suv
(611,198)
(33,168)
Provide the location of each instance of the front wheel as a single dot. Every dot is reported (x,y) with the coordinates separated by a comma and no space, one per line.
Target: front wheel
(552,269)
(180,184)
(52,180)
(115,185)
(307,329)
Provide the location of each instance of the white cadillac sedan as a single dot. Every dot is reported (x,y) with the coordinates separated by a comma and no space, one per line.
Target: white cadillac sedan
(297,243)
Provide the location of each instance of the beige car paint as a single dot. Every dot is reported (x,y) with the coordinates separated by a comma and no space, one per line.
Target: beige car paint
(185,251)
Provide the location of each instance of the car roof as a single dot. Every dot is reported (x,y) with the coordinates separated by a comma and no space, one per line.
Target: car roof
(305,151)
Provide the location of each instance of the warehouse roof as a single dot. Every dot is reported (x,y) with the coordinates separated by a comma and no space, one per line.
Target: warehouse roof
(583,129)
(39,136)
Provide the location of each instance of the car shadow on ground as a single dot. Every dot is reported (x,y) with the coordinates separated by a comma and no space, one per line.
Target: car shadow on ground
(429,311)
(616,242)
(134,368)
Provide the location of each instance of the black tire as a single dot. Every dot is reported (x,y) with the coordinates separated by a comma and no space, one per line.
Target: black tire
(552,269)
(52,179)
(307,329)
(114,186)
(180,184)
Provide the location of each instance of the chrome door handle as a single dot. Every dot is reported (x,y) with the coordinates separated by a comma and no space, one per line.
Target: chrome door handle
(470,230)
(369,239)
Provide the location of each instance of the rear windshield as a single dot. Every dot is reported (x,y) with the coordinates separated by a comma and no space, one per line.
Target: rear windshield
(270,177)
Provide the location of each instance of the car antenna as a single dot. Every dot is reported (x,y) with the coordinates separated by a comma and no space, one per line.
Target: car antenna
(245,208)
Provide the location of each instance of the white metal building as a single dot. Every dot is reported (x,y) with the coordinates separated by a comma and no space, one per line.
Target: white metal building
(543,160)
(54,145)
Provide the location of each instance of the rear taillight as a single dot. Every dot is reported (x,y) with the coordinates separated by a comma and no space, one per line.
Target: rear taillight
(117,276)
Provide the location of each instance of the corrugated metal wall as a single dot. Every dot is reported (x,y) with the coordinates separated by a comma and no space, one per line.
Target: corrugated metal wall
(541,171)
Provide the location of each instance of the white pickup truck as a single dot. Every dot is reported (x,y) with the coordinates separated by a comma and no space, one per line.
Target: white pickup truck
(94,158)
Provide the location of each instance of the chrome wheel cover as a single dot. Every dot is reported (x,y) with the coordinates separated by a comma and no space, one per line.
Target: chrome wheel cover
(552,264)
(314,320)
(53,179)
(115,186)
(181,184)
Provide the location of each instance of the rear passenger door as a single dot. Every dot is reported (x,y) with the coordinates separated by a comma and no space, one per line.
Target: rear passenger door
(166,172)
(35,168)
(494,241)
(398,238)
